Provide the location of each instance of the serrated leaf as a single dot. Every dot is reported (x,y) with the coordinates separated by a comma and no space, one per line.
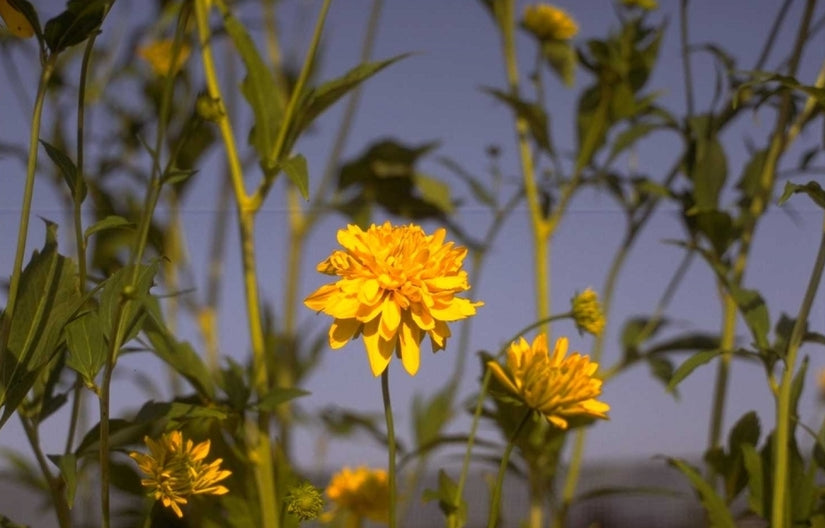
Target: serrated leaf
(259,89)
(812,189)
(718,513)
(296,170)
(67,168)
(87,346)
(690,364)
(532,113)
(110,222)
(278,396)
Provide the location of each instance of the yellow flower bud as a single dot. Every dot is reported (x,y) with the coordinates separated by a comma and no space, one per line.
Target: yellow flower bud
(587,312)
(549,22)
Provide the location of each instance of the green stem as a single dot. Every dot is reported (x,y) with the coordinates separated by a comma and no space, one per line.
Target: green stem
(726,343)
(495,504)
(55,484)
(385,393)
(780,512)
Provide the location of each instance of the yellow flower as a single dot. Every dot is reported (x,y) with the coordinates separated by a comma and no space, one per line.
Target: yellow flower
(396,285)
(587,312)
(176,470)
(17,24)
(558,387)
(158,54)
(647,5)
(361,492)
(549,22)
(304,501)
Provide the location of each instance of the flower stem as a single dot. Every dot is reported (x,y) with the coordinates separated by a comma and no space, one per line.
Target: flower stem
(780,512)
(495,504)
(385,392)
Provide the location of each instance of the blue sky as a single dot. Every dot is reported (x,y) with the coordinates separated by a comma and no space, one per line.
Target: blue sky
(434,95)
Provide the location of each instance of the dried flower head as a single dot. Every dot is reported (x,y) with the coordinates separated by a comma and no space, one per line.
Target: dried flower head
(17,24)
(362,492)
(549,22)
(305,501)
(557,386)
(396,285)
(176,469)
(158,54)
(588,313)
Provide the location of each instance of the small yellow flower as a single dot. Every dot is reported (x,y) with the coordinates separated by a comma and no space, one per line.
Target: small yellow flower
(176,470)
(361,492)
(549,22)
(158,54)
(647,5)
(558,387)
(396,285)
(588,313)
(17,24)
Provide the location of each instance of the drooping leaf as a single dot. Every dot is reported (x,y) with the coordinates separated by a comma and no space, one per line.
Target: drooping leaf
(296,170)
(67,168)
(110,222)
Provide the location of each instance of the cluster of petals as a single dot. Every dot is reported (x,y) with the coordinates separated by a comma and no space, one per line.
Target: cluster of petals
(362,492)
(395,285)
(556,385)
(548,22)
(176,469)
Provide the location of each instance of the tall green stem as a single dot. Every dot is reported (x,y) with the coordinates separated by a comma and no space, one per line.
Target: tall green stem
(385,392)
(780,513)
(495,502)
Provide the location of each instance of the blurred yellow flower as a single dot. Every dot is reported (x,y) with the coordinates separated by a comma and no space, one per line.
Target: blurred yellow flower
(396,285)
(558,387)
(17,24)
(304,501)
(158,54)
(361,492)
(549,22)
(588,313)
(176,470)
(647,5)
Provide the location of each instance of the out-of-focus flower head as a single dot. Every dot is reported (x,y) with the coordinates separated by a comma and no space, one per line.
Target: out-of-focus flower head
(647,5)
(548,22)
(158,54)
(17,24)
(588,313)
(558,386)
(361,492)
(396,285)
(176,469)
(305,501)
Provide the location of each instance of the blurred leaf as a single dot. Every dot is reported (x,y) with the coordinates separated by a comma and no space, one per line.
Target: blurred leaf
(761,77)
(296,169)
(628,137)
(749,183)
(430,415)
(661,368)
(480,193)
(68,472)
(434,191)
(277,396)
(592,122)
(67,168)
(812,189)
(718,513)
(113,300)
(177,177)
(624,491)
(259,89)
(758,498)
(122,433)
(235,385)
(110,222)
(176,413)
(635,332)
(532,113)
(707,169)
(561,57)
(48,299)
(5,522)
(87,346)
(692,363)
(456,513)
(78,22)
(755,312)
(25,7)
(718,228)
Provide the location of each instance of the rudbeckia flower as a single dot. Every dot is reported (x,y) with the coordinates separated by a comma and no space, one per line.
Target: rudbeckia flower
(557,386)
(396,285)
(362,492)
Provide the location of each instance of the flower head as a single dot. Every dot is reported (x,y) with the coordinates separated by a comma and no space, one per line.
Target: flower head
(176,469)
(158,54)
(549,22)
(557,386)
(17,24)
(396,285)
(588,313)
(305,502)
(362,492)
(647,5)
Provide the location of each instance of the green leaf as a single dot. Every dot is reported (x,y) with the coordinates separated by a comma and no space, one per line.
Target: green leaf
(121,433)
(707,169)
(757,497)
(661,368)
(456,513)
(430,415)
(812,189)
(627,138)
(532,113)
(718,513)
(718,228)
(692,363)
(177,414)
(761,77)
(480,192)
(67,168)
(296,170)
(749,183)
(110,222)
(78,22)
(755,312)
(68,472)
(48,299)
(746,431)
(434,191)
(561,57)
(87,346)
(260,90)
(592,122)
(278,396)
(114,300)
